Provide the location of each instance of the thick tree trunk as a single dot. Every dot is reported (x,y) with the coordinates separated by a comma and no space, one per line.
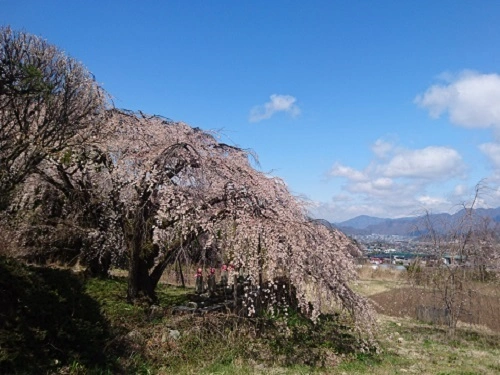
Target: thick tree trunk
(99,266)
(158,272)
(180,273)
(143,277)
(140,285)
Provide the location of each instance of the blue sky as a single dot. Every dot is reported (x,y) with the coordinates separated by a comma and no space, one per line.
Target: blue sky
(382,108)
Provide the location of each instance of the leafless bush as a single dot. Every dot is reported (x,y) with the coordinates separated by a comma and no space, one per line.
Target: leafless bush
(465,254)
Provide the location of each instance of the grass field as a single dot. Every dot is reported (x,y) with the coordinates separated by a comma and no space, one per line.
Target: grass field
(53,322)
(411,346)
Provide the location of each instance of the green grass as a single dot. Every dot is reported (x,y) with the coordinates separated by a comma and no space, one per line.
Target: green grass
(48,321)
(412,347)
(53,322)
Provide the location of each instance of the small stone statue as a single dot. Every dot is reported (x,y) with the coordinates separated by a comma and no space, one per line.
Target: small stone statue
(211,282)
(199,281)
(223,276)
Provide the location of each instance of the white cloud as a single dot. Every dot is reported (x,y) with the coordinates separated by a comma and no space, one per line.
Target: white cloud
(383,183)
(338,209)
(430,163)
(397,182)
(460,190)
(471,100)
(339,170)
(382,148)
(278,103)
(400,181)
(348,205)
(492,150)
(376,187)
(428,201)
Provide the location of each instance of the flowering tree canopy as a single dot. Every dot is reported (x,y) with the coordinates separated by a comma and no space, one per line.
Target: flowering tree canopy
(145,190)
(151,190)
(180,188)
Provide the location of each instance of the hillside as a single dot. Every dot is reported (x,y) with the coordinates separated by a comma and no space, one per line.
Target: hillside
(55,322)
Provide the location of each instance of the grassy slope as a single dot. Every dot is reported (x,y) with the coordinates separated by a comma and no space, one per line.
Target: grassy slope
(52,322)
(414,347)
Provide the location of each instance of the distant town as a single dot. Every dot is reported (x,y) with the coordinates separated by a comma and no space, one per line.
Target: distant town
(397,251)
(399,241)
(391,249)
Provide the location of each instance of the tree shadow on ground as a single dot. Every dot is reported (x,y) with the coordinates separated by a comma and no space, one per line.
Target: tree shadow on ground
(47,321)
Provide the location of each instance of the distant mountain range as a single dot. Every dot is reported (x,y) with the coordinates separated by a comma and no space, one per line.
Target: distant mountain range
(411,226)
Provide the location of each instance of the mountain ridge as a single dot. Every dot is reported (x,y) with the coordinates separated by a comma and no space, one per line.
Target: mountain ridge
(411,225)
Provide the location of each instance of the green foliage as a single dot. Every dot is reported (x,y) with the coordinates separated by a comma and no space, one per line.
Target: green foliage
(66,158)
(33,82)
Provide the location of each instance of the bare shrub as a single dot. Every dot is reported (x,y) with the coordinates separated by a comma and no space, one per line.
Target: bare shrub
(465,254)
